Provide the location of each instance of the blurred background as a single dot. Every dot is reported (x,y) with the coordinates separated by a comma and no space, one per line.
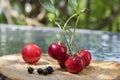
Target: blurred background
(103,14)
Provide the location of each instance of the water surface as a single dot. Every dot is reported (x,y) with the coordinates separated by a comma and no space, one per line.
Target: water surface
(104,46)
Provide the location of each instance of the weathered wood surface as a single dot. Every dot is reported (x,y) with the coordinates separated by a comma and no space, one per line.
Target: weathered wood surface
(16,69)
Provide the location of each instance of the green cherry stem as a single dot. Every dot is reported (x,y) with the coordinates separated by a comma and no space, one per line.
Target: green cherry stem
(73,33)
(62,33)
(69,48)
(69,20)
(70,37)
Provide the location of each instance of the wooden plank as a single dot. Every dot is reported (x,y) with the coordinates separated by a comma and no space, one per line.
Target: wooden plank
(15,68)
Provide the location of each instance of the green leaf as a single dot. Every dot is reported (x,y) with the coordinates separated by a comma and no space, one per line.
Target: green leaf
(49,5)
(73,4)
(52,1)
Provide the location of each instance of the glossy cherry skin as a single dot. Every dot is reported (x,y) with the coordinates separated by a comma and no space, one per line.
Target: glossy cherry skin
(74,64)
(86,55)
(31,53)
(62,62)
(57,51)
(81,57)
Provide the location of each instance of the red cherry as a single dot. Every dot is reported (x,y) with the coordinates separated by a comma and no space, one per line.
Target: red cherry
(57,51)
(31,53)
(74,64)
(62,62)
(86,55)
(81,57)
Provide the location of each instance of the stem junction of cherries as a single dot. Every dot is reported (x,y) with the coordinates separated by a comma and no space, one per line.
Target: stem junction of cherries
(68,31)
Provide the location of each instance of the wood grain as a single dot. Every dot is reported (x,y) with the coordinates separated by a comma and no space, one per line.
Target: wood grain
(15,68)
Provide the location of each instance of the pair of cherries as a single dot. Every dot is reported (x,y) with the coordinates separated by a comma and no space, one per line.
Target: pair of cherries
(31,54)
(75,63)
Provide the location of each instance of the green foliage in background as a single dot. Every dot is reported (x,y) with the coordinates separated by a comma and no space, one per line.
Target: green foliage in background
(103,14)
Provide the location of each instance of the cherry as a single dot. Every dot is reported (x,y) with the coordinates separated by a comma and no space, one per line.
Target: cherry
(57,51)
(86,55)
(31,53)
(74,64)
(81,57)
(62,62)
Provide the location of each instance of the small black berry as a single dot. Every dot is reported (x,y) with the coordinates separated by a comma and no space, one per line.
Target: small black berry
(45,72)
(30,70)
(39,71)
(49,70)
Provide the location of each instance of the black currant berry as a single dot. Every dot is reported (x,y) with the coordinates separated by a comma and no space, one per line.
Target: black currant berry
(45,72)
(39,71)
(49,70)
(30,70)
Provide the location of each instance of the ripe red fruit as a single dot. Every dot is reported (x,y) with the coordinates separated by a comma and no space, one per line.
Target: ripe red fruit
(57,51)
(81,57)
(74,64)
(86,55)
(62,62)
(31,53)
